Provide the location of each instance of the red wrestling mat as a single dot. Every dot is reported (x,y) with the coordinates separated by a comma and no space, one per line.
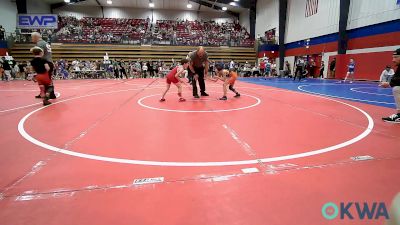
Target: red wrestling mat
(272,156)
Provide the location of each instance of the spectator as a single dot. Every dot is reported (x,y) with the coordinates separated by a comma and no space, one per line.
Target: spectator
(150,68)
(138,68)
(17,73)
(2,33)
(122,70)
(262,67)
(321,70)
(268,68)
(232,65)
(255,71)
(273,68)
(116,69)
(2,69)
(287,69)
(7,69)
(386,74)
(311,67)
(144,70)
(299,68)
(22,69)
(332,67)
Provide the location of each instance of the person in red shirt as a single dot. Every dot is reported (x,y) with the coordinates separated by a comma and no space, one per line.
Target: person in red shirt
(174,77)
(41,67)
(262,67)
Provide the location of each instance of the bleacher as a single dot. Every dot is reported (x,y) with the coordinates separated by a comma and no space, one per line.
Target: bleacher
(167,32)
(70,52)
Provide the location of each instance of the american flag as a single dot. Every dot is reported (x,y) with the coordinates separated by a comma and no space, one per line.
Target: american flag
(311,7)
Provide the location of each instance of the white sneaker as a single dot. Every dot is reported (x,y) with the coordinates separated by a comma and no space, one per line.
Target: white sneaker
(395,118)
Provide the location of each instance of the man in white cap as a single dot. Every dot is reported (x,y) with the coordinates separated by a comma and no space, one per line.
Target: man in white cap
(37,39)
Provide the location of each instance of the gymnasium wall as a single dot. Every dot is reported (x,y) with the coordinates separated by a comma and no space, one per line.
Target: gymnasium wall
(362,13)
(270,51)
(79,11)
(299,27)
(267,16)
(8,19)
(370,46)
(369,65)
(368,12)
(244,19)
(36,6)
(8,10)
(373,32)
(156,14)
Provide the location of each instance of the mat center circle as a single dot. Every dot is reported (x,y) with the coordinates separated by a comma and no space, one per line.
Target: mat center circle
(209,104)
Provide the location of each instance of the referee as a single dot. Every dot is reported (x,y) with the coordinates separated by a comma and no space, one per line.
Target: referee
(37,39)
(198,69)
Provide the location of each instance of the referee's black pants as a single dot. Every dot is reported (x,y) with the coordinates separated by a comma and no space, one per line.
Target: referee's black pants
(200,72)
(298,73)
(51,87)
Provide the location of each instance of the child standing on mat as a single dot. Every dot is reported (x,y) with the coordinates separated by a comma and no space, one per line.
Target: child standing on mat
(174,77)
(229,78)
(42,68)
(351,67)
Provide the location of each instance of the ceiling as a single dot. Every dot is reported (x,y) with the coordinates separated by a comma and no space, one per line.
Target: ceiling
(159,4)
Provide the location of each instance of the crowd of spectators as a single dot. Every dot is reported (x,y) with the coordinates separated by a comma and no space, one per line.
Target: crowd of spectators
(142,31)
(10,69)
(111,69)
(184,32)
(137,69)
(101,30)
(115,69)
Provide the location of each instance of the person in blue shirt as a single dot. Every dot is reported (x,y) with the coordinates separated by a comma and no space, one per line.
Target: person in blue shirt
(350,71)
